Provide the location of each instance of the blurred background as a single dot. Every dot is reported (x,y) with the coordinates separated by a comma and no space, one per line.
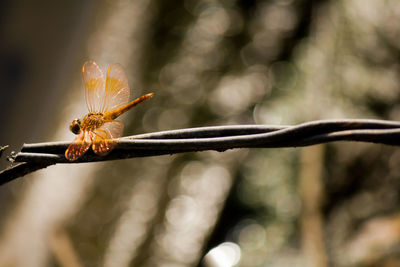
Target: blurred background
(209,63)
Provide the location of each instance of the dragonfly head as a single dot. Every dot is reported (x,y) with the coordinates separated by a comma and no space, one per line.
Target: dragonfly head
(75,126)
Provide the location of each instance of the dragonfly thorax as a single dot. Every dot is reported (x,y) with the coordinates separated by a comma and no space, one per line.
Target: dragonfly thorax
(92,121)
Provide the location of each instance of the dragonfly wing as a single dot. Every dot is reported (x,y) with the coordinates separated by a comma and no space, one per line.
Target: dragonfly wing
(104,140)
(117,88)
(79,146)
(93,79)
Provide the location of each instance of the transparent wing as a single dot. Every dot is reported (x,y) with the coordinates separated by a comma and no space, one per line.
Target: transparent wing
(104,140)
(93,79)
(117,88)
(79,146)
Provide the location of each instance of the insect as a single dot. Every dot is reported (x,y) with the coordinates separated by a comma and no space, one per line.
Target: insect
(106,100)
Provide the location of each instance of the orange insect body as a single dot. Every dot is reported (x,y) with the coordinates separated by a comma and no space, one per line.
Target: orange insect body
(92,121)
(117,112)
(99,127)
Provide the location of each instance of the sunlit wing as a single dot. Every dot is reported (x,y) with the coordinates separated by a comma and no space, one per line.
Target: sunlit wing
(93,79)
(79,146)
(117,88)
(104,141)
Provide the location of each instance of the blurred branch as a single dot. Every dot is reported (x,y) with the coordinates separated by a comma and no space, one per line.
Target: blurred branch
(311,192)
(219,138)
(2,148)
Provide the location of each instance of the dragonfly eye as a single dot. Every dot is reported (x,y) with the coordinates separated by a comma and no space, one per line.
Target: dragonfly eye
(75,126)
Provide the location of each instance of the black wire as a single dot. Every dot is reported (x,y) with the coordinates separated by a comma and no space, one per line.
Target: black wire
(219,138)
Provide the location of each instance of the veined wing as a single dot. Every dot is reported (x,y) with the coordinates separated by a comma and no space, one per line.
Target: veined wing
(104,141)
(79,146)
(93,79)
(117,88)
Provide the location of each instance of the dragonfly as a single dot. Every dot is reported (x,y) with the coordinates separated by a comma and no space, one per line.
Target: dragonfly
(106,100)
